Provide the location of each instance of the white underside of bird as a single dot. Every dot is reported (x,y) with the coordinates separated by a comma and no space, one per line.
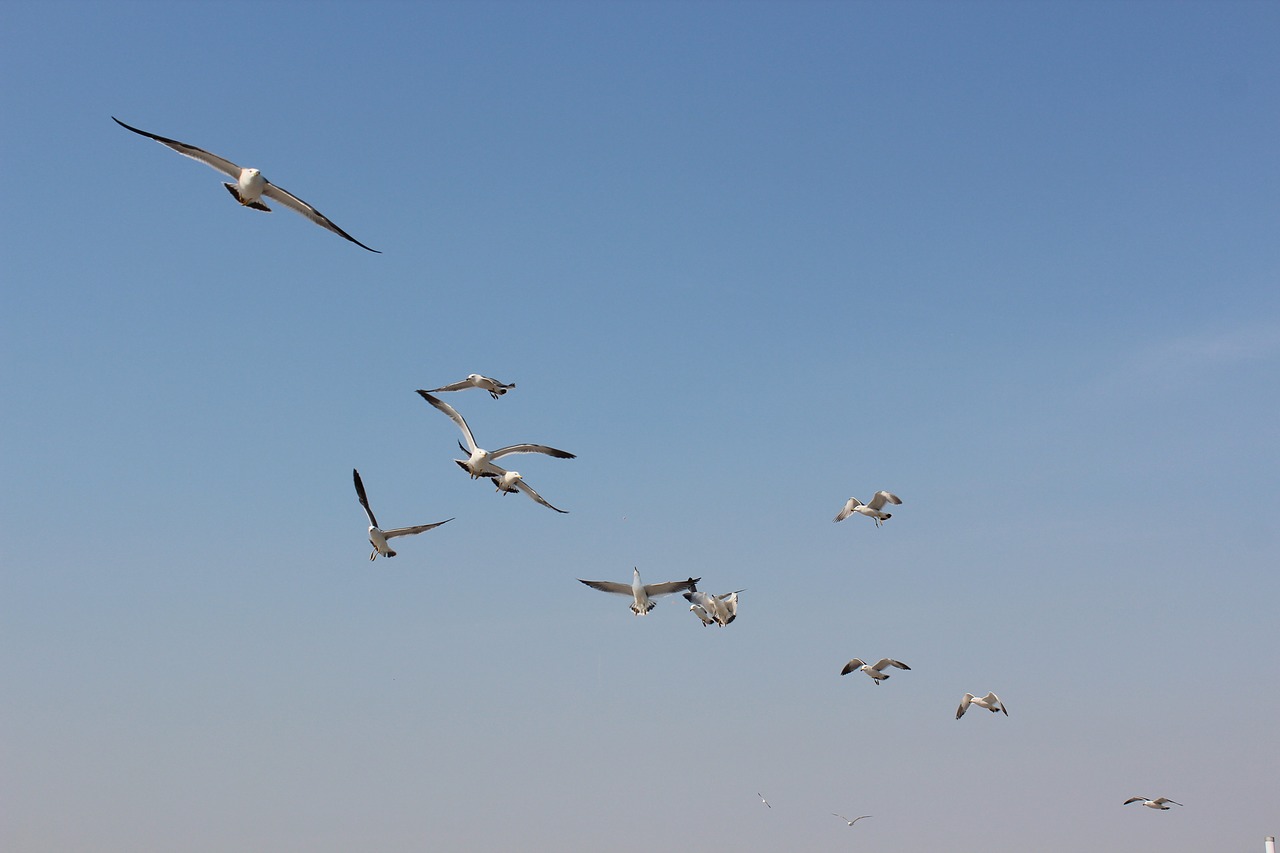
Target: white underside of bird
(876,670)
(1157,803)
(377,536)
(474,380)
(642,595)
(717,609)
(250,186)
(991,702)
(873,509)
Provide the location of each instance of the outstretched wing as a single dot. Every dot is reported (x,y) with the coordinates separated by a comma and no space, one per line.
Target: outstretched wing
(453,416)
(848,509)
(364,500)
(531,448)
(881,498)
(528,490)
(609,586)
(456,386)
(887,662)
(297,205)
(853,666)
(409,531)
(653,590)
(224,166)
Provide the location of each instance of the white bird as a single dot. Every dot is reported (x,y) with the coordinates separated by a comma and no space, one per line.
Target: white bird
(991,702)
(762,799)
(696,610)
(721,609)
(250,186)
(871,510)
(850,822)
(876,671)
(474,380)
(378,537)
(511,481)
(480,461)
(641,593)
(1157,803)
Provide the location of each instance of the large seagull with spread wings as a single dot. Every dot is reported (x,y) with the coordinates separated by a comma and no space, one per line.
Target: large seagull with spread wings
(250,187)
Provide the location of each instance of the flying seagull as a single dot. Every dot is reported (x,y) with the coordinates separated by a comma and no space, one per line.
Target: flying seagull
(378,537)
(850,822)
(641,593)
(720,609)
(762,799)
(511,481)
(872,509)
(991,702)
(474,380)
(250,186)
(876,671)
(480,461)
(1157,803)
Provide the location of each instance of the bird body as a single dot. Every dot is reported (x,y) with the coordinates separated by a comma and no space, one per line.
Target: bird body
(377,536)
(474,380)
(876,670)
(720,609)
(1157,803)
(642,595)
(873,509)
(250,186)
(991,702)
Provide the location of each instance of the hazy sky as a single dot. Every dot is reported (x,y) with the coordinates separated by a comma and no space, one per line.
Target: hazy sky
(1016,262)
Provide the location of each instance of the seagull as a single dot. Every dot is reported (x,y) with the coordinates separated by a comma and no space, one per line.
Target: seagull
(250,186)
(640,592)
(378,537)
(991,702)
(721,609)
(480,463)
(872,509)
(876,671)
(850,822)
(511,481)
(1157,803)
(762,799)
(474,380)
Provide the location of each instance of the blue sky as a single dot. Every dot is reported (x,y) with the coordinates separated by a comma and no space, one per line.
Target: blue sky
(1016,262)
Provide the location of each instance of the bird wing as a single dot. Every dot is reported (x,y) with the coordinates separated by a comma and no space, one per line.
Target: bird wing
(456,386)
(531,448)
(883,663)
(528,490)
(991,697)
(1160,800)
(852,666)
(609,586)
(224,166)
(964,705)
(453,416)
(858,818)
(364,500)
(1135,800)
(409,531)
(881,498)
(849,507)
(297,205)
(653,590)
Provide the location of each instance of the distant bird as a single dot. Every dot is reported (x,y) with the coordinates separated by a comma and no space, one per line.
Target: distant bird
(871,510)
(720,609)
(991,702)
(876,671)
(377,537)
(763,800)
(480,461)
(511,481)
(250,186)
(1157,803)
(474,380)
(850,822)
(642,594)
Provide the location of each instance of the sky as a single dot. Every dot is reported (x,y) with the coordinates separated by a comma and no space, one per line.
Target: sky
(1015,262)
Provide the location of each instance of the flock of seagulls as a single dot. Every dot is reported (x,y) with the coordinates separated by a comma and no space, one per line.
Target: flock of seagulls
(251,187)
